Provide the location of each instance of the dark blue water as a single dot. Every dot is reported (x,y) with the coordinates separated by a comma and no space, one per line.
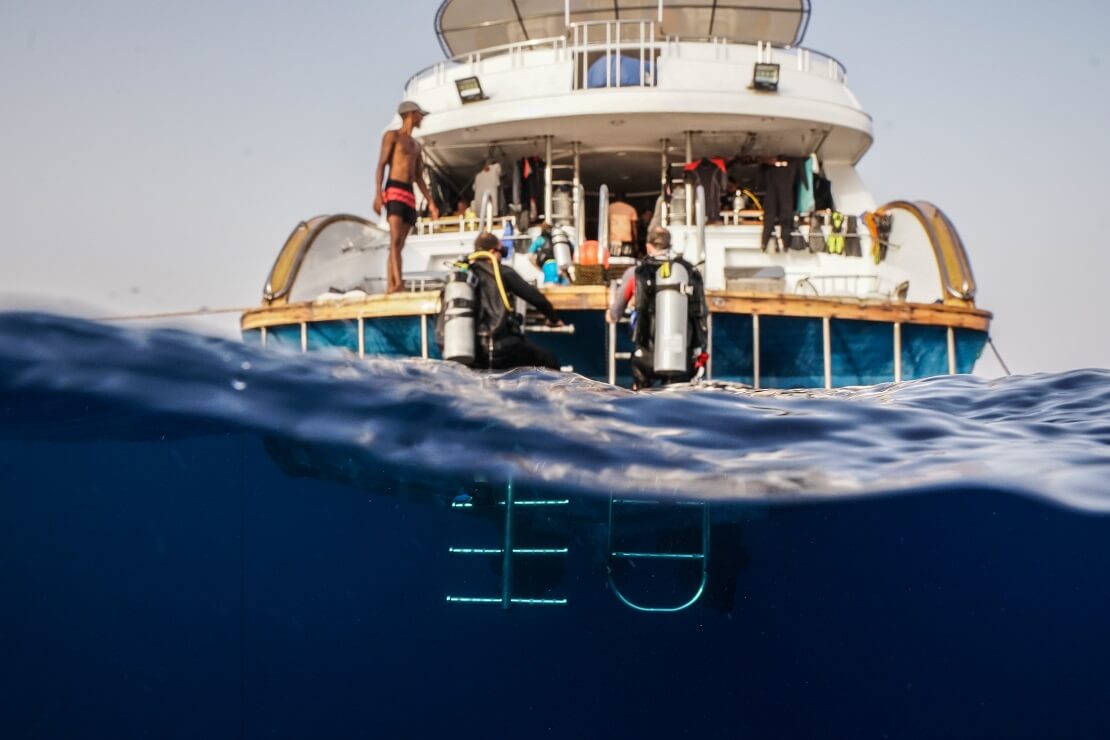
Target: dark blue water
(201,540)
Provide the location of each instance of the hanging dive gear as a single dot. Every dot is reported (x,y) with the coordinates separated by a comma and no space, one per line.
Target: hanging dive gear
(852,245)
(880,225)
(816,235)
(835,242)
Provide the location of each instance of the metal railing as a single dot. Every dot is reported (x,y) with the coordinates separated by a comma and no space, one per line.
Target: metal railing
(608,41)
(640,37)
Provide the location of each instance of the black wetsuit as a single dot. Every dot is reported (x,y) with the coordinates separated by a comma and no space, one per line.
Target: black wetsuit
(501,344)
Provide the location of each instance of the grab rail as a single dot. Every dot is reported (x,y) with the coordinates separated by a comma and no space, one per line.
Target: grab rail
(699,209)
(956,278)
(603,225)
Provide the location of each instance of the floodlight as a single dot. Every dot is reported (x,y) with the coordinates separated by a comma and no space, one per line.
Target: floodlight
(766,78)
(470,90)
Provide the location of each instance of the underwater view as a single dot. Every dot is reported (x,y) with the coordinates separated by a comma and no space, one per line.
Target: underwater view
(202,539)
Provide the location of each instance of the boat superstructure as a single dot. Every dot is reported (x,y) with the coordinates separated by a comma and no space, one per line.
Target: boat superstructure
(601,98)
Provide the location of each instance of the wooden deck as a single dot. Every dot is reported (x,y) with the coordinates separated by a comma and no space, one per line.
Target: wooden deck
(595,298)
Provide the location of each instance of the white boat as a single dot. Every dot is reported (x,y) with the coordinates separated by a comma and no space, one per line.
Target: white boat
(621,97)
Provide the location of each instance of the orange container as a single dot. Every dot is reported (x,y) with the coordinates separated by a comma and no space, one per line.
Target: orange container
(588,253)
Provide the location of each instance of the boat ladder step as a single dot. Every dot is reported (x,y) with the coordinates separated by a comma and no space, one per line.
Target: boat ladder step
(509,552)
(701,557)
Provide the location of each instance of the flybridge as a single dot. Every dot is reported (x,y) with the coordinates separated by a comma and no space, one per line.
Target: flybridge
(465,26)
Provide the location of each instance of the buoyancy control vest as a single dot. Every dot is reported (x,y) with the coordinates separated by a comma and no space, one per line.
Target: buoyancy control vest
(835,242)
(671,314)
(475,304)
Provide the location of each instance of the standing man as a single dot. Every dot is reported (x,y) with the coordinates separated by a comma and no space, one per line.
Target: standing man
(402,154)
(622,228)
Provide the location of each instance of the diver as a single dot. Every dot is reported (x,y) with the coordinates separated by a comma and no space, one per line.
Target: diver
(669,325)
(478,324)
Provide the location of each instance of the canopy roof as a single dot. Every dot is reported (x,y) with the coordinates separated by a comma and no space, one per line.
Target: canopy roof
(471,25)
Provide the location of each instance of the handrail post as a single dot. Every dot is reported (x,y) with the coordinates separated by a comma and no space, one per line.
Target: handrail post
(897,352)
(699,208)
(580,213)
(826,331)
(952,367)
(548,187)
(689,192)
(756,350)
(709,346)
(603,225)
(664,178)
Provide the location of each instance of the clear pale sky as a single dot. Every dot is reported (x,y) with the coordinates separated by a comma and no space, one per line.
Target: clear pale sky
(154,155)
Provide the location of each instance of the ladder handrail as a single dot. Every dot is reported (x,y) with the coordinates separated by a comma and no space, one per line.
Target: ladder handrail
(703,556)
(603,224)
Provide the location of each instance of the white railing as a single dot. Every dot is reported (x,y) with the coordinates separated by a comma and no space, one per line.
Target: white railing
(516,53)
(613,42)
(587,42)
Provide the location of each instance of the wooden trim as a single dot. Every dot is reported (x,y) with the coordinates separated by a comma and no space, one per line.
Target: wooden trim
(596,298)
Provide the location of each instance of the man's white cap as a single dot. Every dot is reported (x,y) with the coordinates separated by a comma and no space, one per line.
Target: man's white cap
(410,107)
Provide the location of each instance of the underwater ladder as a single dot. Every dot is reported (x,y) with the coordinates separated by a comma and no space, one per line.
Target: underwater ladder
(509,551)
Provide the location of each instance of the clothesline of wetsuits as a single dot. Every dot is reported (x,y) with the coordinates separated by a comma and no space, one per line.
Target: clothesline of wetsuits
(796,194)
(523,187)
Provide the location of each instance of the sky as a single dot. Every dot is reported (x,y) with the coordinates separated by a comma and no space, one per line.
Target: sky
(155,155)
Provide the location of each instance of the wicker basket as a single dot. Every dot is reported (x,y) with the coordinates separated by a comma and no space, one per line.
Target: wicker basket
(589,275)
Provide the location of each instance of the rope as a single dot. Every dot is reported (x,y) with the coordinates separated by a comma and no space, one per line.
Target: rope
(174,314)
(990,341)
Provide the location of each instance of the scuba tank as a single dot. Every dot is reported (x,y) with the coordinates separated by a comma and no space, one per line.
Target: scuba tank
(459,311)
(561,244)
(836,238)
(672,284)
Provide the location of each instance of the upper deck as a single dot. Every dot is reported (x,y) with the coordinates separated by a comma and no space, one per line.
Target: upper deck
(625,85)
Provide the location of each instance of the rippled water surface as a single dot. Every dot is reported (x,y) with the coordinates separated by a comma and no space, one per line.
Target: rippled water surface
(1041,435)
(202,540)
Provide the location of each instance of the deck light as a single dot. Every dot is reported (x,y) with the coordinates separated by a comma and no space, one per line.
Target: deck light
(470,90)
(766,77)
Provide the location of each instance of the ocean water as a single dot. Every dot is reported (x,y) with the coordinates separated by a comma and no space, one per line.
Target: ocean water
(201,539)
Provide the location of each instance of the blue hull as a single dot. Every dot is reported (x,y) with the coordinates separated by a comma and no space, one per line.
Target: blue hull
(792,351)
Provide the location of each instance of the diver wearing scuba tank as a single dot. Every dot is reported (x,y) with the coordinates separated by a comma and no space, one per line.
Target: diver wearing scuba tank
(499,341)
(669,326)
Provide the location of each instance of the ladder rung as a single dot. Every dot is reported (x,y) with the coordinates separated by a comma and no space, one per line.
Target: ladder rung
(457,505)
(547,502)
(522,602)
(544,329)
(659,556)
(622,355)
(648,502)
(516,551)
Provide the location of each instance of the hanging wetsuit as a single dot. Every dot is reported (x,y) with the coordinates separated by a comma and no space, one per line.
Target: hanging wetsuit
(822,193)
(779,183)
(804,203)
(532,186)
(710,174)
